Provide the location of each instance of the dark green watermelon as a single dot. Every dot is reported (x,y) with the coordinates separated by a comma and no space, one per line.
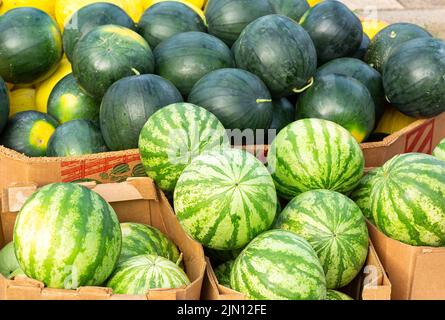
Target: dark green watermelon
(4,104)
(69,102)
(279,51)
(226,19)
(29,133)
(340,99)
(283,114)
(361,71)
(293,9)
(109,53)
(364,46)
(390,38)
(165,19)
(89,17)
(414,78)
(186,57)
(238,98)
(76,138)
(129,103)
(336,31)
(30,46)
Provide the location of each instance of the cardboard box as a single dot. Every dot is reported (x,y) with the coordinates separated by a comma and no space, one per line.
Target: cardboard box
(371,284)
(136,200)
(421,136)
(416,273)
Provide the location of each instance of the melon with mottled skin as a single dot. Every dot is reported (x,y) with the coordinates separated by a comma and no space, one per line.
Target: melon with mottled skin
(439,151)
(67,236)
(139,274)
(337,295)
(313,154)
(335,227)
(279,265)
(224,199)
(222,273)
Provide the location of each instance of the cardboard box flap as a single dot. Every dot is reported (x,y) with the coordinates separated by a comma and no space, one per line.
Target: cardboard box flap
(15,196)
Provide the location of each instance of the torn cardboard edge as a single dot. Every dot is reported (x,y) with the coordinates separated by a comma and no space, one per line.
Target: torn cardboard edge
(137,200)
(371,284)
(416,273)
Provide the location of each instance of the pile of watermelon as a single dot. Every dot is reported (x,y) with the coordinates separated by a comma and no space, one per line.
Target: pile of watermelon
(67,236)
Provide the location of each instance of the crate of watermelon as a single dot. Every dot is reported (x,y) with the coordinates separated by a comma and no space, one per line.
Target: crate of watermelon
(68,241)
(404,204)
(371,283)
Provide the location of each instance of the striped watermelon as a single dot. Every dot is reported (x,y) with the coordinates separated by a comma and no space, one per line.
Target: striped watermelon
(335,227)
(139,239)
(141,273)
(362,194)
(67,236)
(279,265)
(173,136)
(224,199)
(408,200)
(8,261)
(337,295)
(223,271)
(313,154)
(439,151)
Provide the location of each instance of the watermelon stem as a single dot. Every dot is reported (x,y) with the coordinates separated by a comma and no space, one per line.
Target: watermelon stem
(136,72)
(263,100)
(180,259)
(310,83)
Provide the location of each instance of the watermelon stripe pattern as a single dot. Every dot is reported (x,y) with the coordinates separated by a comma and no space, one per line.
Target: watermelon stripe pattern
(337,295)
(407,200)
(223,271)
(362,194)
(175,135)
(139,239)
(67,236)
(336,229)
(439,151)
(313,154)
(226,198)
(279,265)
(139,274)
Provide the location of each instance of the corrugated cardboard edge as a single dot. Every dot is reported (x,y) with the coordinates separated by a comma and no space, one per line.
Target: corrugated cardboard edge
(212,290)
(416,273)
(24,288)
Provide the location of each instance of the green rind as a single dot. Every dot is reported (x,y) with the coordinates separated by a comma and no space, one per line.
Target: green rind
(279,51)
(224,199)
(388,39)
(4,105)
(76,138)
(293,9)
(107,54)
(238,98)
(165,19)
(336,229)
(226,19)
(364,46)
(139,239)
(223,271)
(30,46)
(69,102)
(129,103)
(407,200)
(340,99)
(439,151)
(8,261)
(16,134)
(413,78)
(279,265)
(139,274)
(362,72)
(89,17)
(315,154)
(187,57)
(67,236)
(337,295)
(335,30)
(362,194)
(173,137)
(283,114)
